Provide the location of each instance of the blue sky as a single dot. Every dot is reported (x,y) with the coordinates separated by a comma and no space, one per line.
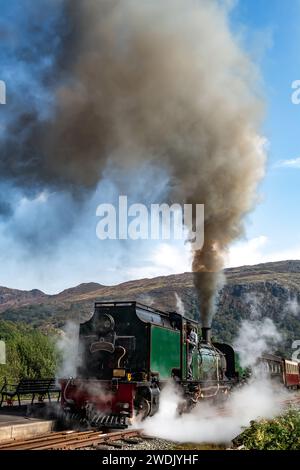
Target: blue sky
(269,30)
(275,224)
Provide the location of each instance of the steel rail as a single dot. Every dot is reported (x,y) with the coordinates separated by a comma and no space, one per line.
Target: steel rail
(69,440)
(92,440)
(45,438)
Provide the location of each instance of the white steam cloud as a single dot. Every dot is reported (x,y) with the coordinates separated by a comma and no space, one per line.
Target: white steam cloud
(254,339)
(259,398)
(68,346)
(292,306)
(208,424)
(179,305)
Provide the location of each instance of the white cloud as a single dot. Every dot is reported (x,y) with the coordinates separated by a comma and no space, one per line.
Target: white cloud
(292,253)
(292,163)
(247,252)
(173,258)
(41,198)
(164,260)
(255,251)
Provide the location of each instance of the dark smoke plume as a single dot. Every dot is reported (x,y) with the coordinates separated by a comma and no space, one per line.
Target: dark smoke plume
(164,82)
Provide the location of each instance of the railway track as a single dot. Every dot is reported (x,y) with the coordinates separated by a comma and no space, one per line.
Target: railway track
(293,401)
(70,440)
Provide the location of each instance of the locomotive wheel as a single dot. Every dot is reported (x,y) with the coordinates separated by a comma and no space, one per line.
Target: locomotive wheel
(144,408)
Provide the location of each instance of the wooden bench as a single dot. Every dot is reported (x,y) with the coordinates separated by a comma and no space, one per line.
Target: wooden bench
(40,387)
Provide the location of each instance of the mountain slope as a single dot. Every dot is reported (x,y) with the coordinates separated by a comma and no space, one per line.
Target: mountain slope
(267,290)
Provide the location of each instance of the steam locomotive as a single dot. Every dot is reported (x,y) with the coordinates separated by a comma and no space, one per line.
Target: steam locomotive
(129,351)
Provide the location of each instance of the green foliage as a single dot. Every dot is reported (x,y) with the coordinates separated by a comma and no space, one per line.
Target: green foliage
(29,352)
(282,433)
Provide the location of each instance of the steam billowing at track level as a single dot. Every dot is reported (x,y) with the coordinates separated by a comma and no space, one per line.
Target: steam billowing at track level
(164,83)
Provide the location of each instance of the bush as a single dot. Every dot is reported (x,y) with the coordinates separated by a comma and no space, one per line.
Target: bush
(29,352)
(281,433)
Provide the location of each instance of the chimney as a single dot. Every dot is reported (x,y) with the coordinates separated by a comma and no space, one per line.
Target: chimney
(206,334)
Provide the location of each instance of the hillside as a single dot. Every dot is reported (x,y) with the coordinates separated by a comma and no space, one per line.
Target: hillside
(266,290)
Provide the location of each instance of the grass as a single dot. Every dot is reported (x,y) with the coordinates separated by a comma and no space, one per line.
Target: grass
(203,446)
